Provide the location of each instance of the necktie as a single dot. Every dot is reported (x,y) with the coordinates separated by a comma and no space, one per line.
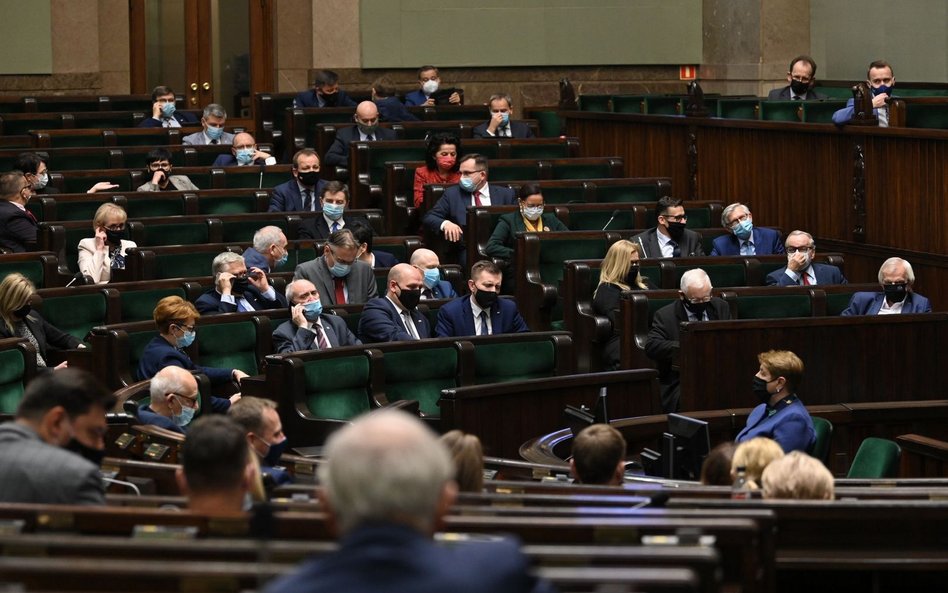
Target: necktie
(746,248)
(427,294)
(477,198)
(340,290)
(409,325)
(307,200)
(214,141)
(484,331)
(30,214)
(335,227)
(321,340)
(805,279)
(676,250)
(370,138)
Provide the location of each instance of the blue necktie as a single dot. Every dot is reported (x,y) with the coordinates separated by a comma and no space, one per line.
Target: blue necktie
(484,331)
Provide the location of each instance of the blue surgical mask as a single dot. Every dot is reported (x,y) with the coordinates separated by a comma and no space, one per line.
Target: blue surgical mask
(245,155)
(167,109)
(333,211)
(214,133)
(743,229)
(881,89)
(468,184)
(532,213)
(339,270)
(505,120)
(282,261)
(186,340)
(185,417)
(432,277)
(312,310)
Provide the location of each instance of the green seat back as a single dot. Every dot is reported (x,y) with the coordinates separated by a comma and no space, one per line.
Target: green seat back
(249,180)
(514,172)
(821,112)
(562,195)
(237,204)
(137,139)
(876,459)
(139,305)
(397,250)
(549,122)
(182,233)
(768,267)
(722,275)
(837,302)
(183,265)
(627,193)
(838,92)
(379,156)
(84,210)
(653,273)
(229,346)
(514,361)
(337,388)
(76,141)
(141,207)
(539,150)
(71,247)
(36,208)
(420,375)
(926,116)
(76,314)
(773,307)
(136,345)
(824,435)
(656,304)
(737,108)
(628,103)
(596,219)
(33,270)
(242,231)
(553,252)
(595,103)
(139,160)
(81,161)
(664,105)
(780,110)
(570,170)
(79,185)
(12,368)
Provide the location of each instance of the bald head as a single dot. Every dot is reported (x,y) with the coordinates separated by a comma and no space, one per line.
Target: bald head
(424,259)
(169,382)
(404,276)
(244,140)
(367,111)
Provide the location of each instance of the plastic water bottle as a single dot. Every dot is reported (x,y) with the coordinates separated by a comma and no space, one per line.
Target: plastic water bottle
(739,490)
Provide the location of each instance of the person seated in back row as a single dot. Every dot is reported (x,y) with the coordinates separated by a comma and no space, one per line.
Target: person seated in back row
(333,201)
(801,78)
(338,274)
(670,238)
(309,328)
(173,400)
(390,108)
(164,113)
(236,289)
(301,193)
(800,269)
(896,279)
(427,261)
(501,124)
(363,233)
(483,312)
(213,133)
(269,250)
(428,94)
(244,152)
(158,170)
(325,93)
(743,237)
(367,129)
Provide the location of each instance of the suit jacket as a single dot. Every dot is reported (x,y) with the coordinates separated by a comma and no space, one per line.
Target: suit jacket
(456,319)
(210,302)
(317,229)
(690,244)
(825,274)
(33,471)
(199,139)
(662,345)
(255,259)
(766,242)
(96,264)
(159,354)
(504,238)
(382,322)
(229,160)
(441,290)
(288,337)
(360,282)
(415,98)
(870,303)
(338,153)
(605,304)
(184,118)
(384,259)
(180,183)
(791,426)
(17,228)
(392,110)
(308,99)
(46,334)
(403,559)
(518,129)
(783,94)
(286,197)
(842,116)
(454,203)
(148,416)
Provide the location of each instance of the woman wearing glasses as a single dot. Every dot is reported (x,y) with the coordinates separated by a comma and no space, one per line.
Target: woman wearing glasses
(105,252)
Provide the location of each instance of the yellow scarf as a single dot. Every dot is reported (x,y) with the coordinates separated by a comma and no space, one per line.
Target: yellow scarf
(530,227)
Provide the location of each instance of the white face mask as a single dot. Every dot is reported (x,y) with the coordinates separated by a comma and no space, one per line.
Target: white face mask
(41,181)
(430,87)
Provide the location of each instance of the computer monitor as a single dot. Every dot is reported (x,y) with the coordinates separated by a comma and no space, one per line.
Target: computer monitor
(685,447)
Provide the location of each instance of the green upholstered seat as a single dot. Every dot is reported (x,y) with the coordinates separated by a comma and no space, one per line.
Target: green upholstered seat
(596,219)
(554,252)
(33,270)
(500,173)
(513,361)
(378,156)
(136,345)
(773,307)
(183,265)
(737,108)
(561,195)
(837,302)
(12,369)
(249,179)
(242,231)
(628,103)
(595,102)
(139,305)
(876,459)
(420,375)
(142,207)
(236,204)
(821,112)
(627,193)
(79,185)
(926,116)
(228,346)
(568,170)
(182,233)
(780,110)
(539,150)
(824,435)
(722,275)
(663,105)
(76,314)
(551,126)
(337,388)
(84,210)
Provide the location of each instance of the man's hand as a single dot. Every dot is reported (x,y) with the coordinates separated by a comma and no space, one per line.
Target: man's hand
(64,364)
(224,282)
(261,155)
(430,102)
(879,100)
(452,232)
(102,186)
(158,177)
(234,398)
(296,313)
(496,119)
(156,110)
(797,262)
(455,98)
(258,279)
(239,374)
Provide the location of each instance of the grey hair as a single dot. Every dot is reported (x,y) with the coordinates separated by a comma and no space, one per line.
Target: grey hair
(894,261)
(727,213)
(812,245)
(797,476)
(343,238)
(166,381)
(215,110)
(223,260)
(695,277)
(385,466)
(498,97)
(265,237)
(291,290)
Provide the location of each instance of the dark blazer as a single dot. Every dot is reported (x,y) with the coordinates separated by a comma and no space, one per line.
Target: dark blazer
(183,117)
(392,110)
(766,242)
(286,197)
(159,354)
(360,282)
(148,416)
(33,471)
(384,259)
(382,322)
(308,98)
(17,228)
(210,302)
(415,98)
(504,238)
(791,426)
(317,229)
(869,303)
(825,274)
(454,203)
(690,244)
(403,559)
(605,304)
(338,153)
(229,160)
(255,259)
(518,129)
(783,94)
(662,346)
(288,337)
(442,290)
(456,319)
(47,335)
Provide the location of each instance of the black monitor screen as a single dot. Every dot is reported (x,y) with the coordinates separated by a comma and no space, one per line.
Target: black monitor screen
(692,443)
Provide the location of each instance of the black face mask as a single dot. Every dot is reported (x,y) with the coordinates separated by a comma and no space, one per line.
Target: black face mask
(798,87)
(696,309)
(239,285)
(93,455)
(22,311)
(759,386)
(309,178)
(633,275)
(115,237)
(409,298)
(331,100)
(485,299)
(676,230)
(895,293)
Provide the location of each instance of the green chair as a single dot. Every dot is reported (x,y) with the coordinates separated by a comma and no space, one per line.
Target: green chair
(337,388)
(17,366)
(515,360)
(229,345)
(778,306)
(139,305)
(420,374)
(76,314)
(824,436)
(780,110)
(876,458)
(595,102)
(628,103)
(594,220)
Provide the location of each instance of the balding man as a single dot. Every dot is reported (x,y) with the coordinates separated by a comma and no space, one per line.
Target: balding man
(174,400)
(269,250)
(385,512)
(501,123)
(695,304)
(17,224)
(366,130)
(308,328)
(800,269)
(896,279)
(427,261)
(395,317)
(244,152)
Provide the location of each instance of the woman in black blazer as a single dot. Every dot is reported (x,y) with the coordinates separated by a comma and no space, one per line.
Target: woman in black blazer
(19,320)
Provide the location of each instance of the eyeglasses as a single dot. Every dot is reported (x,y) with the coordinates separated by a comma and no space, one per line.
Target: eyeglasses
(700,301)
(681,218)
(739,220)
(159,166)
(116,227)
(792,250)
(188,402)
(469,173)
(340,261)
(189,328)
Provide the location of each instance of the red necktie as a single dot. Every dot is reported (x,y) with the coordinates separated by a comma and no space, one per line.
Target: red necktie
(340,290)
(477,198)
(806,279)
(33,218)
(321,337)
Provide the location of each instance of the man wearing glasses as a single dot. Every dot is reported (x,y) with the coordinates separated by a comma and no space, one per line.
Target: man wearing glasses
(743,237)
(338,274)
(174,400)
(800,269)
(17,224)
(801,77)
(695,304)
(158,168)
(670,238)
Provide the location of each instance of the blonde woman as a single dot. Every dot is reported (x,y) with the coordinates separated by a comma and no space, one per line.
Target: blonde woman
(105,252)
(468,457)
(755,455)
(619,271)
(19,320)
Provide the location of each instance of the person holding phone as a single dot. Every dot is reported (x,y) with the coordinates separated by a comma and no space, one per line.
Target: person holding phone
(237,289)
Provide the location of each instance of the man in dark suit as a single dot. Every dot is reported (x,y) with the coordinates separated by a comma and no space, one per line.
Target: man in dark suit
(216,470)
(309,328)
(501,123)
(429,83)
(800,269)
(395,317)
(35,465)
(301,193)
(449,214)
(896,278)
(173,402)
(260,421)
(164,113)
(237,290)
(366,130)
(695,304)
(213,121)
(801,78)
(338,274)
(333,201)
(364,235)
(427,261)
(669,238)
(388,524)
(269,250)
(325,93)
(482,312)
(244,152)
(881,80)
(744,237)
(17,224)
(390,108)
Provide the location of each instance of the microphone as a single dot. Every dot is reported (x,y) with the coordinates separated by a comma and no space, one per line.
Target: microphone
(642,245)
(657,500)
(77,277)
(611,218)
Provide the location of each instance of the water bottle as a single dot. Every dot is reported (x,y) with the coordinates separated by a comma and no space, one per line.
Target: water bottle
(739,489)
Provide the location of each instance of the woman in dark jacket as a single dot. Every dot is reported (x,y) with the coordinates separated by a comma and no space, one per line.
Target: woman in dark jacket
(619,271)
(21,321)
